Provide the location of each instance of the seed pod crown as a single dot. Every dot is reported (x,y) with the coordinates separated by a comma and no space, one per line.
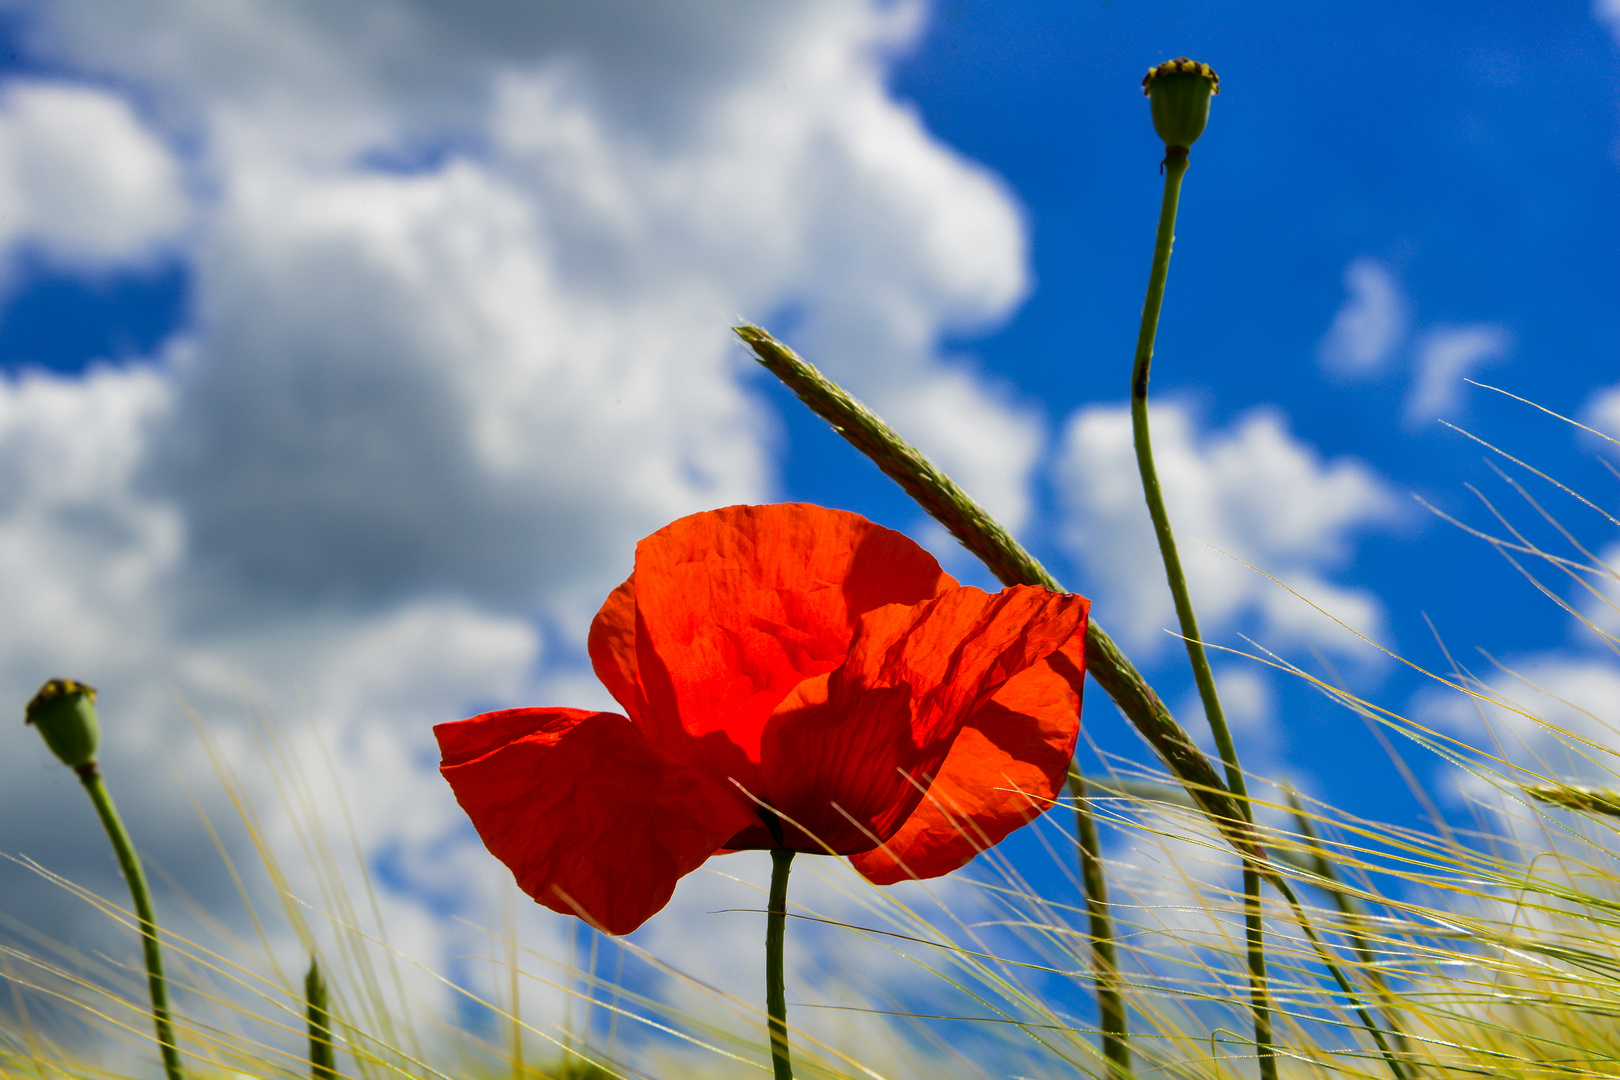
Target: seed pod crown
(1179,91)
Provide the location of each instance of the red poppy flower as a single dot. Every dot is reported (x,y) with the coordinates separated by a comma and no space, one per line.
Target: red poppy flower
(793,677)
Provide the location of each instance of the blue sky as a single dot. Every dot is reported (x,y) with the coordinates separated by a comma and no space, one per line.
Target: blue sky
(346,353)
(1468,150)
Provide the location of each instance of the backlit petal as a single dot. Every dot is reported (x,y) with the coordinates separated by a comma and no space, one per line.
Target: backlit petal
(612,646)
(1007,765)
(589,816)
(736,607)
(848,755)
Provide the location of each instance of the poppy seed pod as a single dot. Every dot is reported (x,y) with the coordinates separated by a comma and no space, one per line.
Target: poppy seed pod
(1179,91)
(64,711)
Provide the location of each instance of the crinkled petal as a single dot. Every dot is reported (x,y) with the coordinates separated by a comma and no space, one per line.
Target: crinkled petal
(590,817)
(849,755)
(736,607)
(1004,769)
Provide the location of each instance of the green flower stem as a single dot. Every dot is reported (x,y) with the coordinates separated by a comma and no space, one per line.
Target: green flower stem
(322,1054)
(130,863)
(1175,167)
(775,985)
(1111,1014)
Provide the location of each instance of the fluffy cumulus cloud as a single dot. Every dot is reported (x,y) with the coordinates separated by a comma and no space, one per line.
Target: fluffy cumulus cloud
(457,336)
(1551,717)
(1602,413)
(1370,326)
(82,181)
(1608,11)
(1251,492)
(1445,359)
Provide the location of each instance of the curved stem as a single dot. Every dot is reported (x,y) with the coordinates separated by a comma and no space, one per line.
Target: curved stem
(1111,1014)
(775,988)
(130,863)
(1175,167)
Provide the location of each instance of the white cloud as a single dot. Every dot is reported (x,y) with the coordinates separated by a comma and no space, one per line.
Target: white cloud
(1599,604)
(1559,717)
(1445,359)
(82,179)
(1253,491)
(1602,412)
(1247,700)
(457,338)
(1371,324)
(982,443)
(1608,11)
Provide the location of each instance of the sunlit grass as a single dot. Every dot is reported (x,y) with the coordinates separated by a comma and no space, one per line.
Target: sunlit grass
(1487,957)
(1485,943)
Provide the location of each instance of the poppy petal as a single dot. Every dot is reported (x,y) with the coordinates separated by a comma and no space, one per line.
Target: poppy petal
(1005,768)
(588,815)
(612,646)
(736,607)
(848,756)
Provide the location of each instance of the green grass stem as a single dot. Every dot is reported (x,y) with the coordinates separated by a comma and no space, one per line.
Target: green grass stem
(1111,1013)
(1317,862)
(318,1016)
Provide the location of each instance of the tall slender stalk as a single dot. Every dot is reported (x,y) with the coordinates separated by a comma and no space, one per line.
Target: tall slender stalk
(775,984)
(1175,167)
(141,894)
(1111,1014)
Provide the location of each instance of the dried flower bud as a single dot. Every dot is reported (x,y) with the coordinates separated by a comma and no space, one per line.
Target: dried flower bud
(1179,91)
(64,711)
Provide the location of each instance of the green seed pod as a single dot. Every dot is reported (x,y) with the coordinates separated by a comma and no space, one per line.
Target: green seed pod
(1179,91)
(64,711)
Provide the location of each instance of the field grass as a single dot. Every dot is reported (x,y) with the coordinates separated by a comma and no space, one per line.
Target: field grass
(1486,949)
(1481,944)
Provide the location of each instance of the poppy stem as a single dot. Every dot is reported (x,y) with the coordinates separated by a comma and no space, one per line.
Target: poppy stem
(141,894)
(1175,167)
(775,985)
(1111,1013)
